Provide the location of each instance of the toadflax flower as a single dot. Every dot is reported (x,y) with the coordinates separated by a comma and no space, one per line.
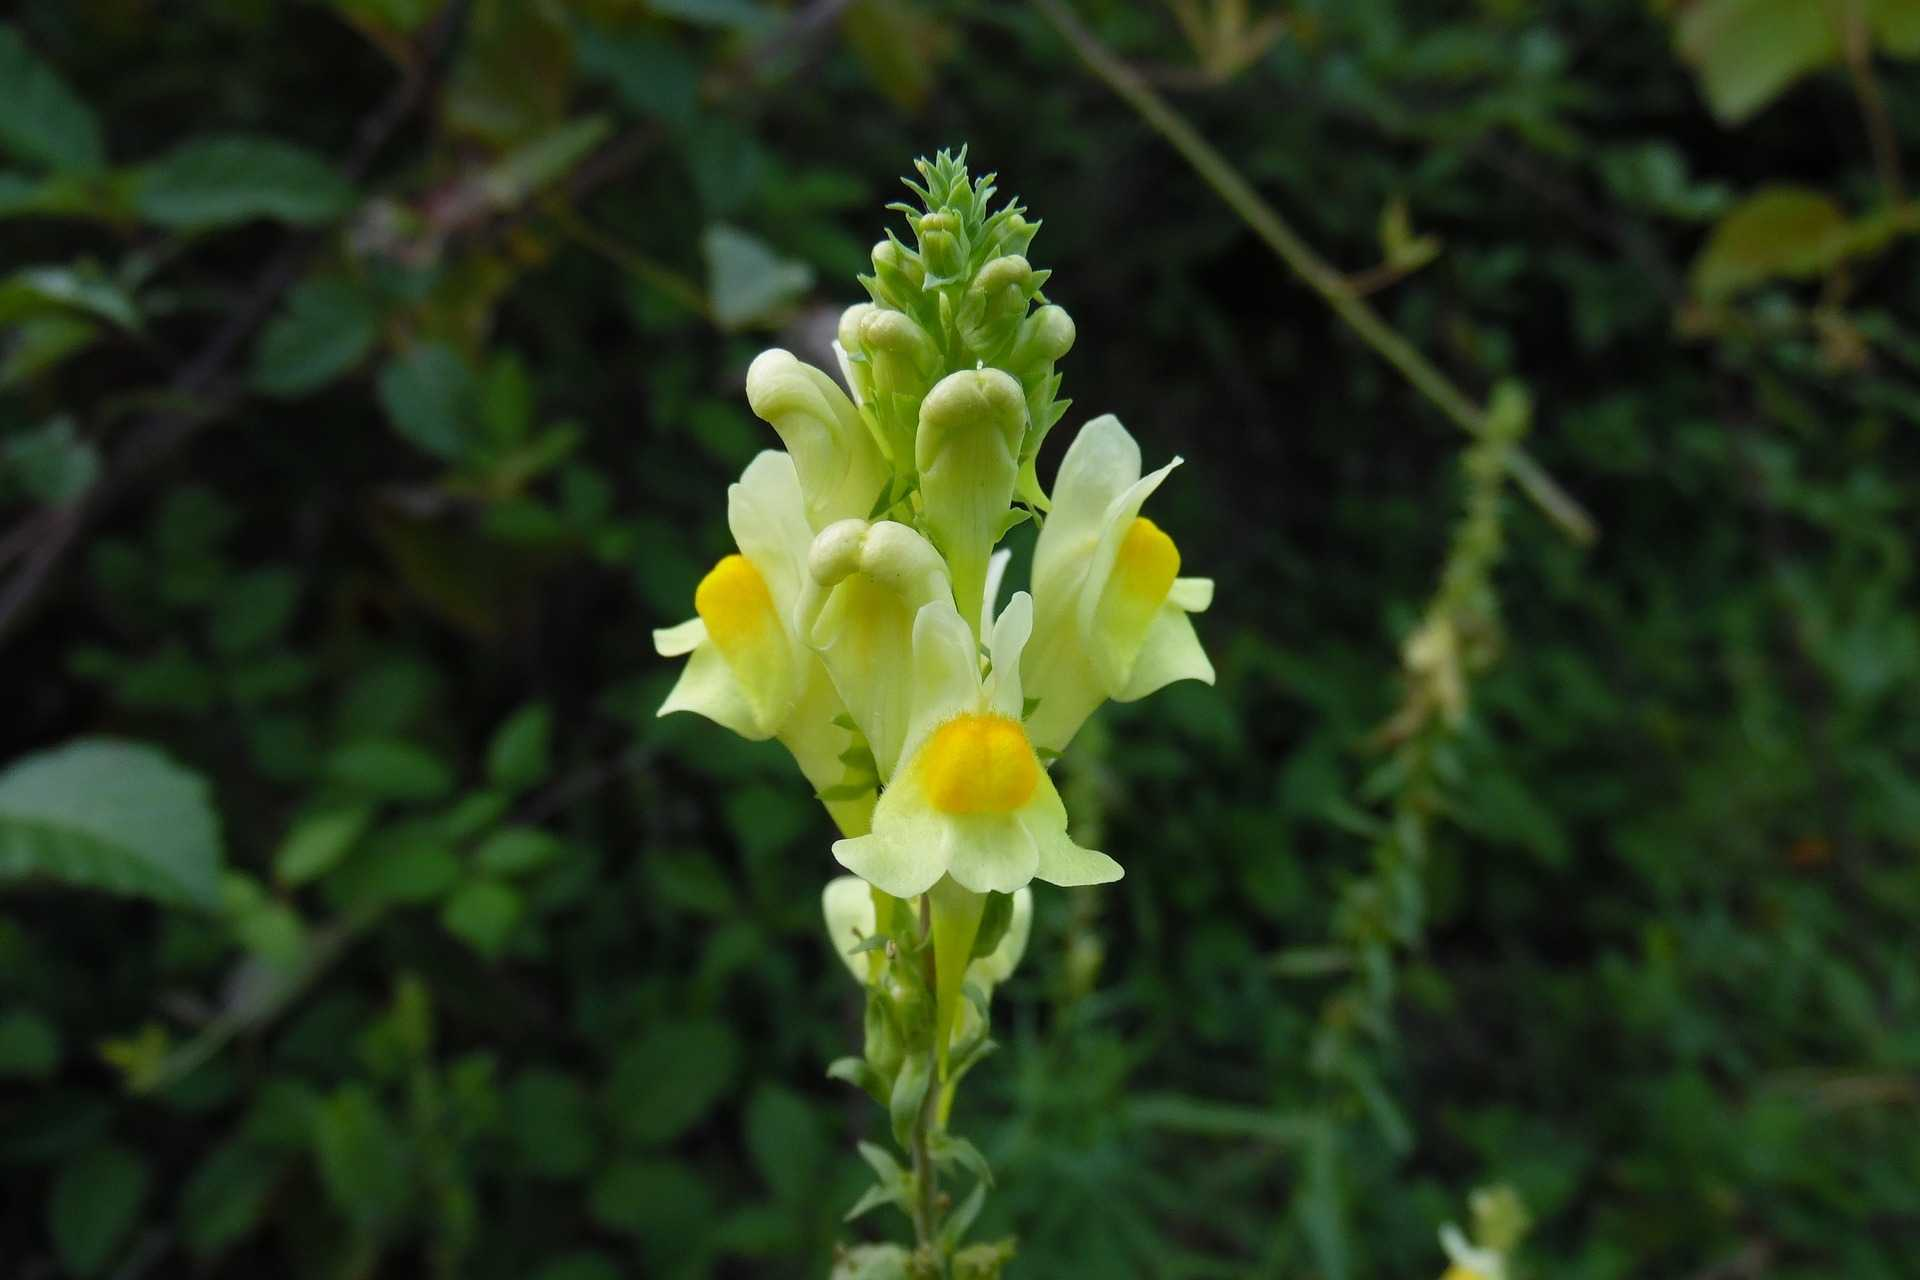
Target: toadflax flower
(1111,618)
(747,667)
(969,799)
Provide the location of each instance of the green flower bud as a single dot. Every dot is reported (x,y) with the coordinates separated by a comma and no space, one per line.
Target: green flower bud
(898,275)
(943,247)
(994,304)
(1044,337)
(1011,234)
(903,362)
(853,355)
(841,470)
(968,449)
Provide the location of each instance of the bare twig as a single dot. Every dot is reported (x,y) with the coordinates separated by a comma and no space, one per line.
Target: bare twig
(1305,263)
(1855,40)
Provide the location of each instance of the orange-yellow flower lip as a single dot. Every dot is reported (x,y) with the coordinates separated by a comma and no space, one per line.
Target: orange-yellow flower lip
(979,764)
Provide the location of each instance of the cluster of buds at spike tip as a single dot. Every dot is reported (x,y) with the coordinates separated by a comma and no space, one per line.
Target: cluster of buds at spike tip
(859,622)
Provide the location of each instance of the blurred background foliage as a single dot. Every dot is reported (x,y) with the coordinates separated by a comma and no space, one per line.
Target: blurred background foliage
(370,376)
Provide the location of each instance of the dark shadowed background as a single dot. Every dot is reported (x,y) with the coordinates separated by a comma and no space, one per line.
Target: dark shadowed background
(370,379)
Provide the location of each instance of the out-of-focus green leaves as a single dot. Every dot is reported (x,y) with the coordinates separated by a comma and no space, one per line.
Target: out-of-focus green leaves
(649,72)
(211,182)
(522,748)
(49,463)
(318,842)
(111,815)
(363,1162)
(431,398)
(1747,52)
(667,1079)
(391,769)
(483,913)
(748,283)
(43,122)
(325,329)
(29,1045)
(34,290)
(228,1192)
(1790,233)
(95,1200)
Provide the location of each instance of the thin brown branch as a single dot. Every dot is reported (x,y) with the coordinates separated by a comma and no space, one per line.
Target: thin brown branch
(1312,270)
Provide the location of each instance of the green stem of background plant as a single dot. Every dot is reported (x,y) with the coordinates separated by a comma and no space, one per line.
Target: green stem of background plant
(1333,288)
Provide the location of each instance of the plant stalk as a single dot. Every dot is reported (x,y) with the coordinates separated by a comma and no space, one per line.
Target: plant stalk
(926,1179)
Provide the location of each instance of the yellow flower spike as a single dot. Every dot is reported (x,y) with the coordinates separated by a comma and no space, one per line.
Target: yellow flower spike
(993,833)
(866,583)
(747,668)
(839,463)
(1111,609)
(968,452)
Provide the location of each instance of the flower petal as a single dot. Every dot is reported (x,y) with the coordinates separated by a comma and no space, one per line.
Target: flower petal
(847,903)
(901,868)
(1065,863)
(996,574)
(1171,652)
(990,853)
(1098,467)
(674,642)
(1010,633)
(769,522)
(1195,595)
(946,670)
(708,687)
(1112,649)
(839,464)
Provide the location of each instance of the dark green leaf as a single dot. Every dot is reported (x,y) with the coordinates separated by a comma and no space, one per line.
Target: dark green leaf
(96,1198)
(42,120)
(325,329)
(431,399)
(111,815)
(220,181)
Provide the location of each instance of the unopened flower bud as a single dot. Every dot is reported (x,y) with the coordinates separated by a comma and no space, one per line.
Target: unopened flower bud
(996,300)
(967,449)
(897,273)
(841,470)
(943,247)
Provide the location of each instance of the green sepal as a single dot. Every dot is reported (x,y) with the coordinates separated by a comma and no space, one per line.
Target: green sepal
(909,1096)
(956,923)
(993,924)
(949,1152)
(859,1073)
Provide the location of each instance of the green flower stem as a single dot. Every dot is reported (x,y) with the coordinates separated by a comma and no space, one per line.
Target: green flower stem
(1333,288)
(926,1179)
